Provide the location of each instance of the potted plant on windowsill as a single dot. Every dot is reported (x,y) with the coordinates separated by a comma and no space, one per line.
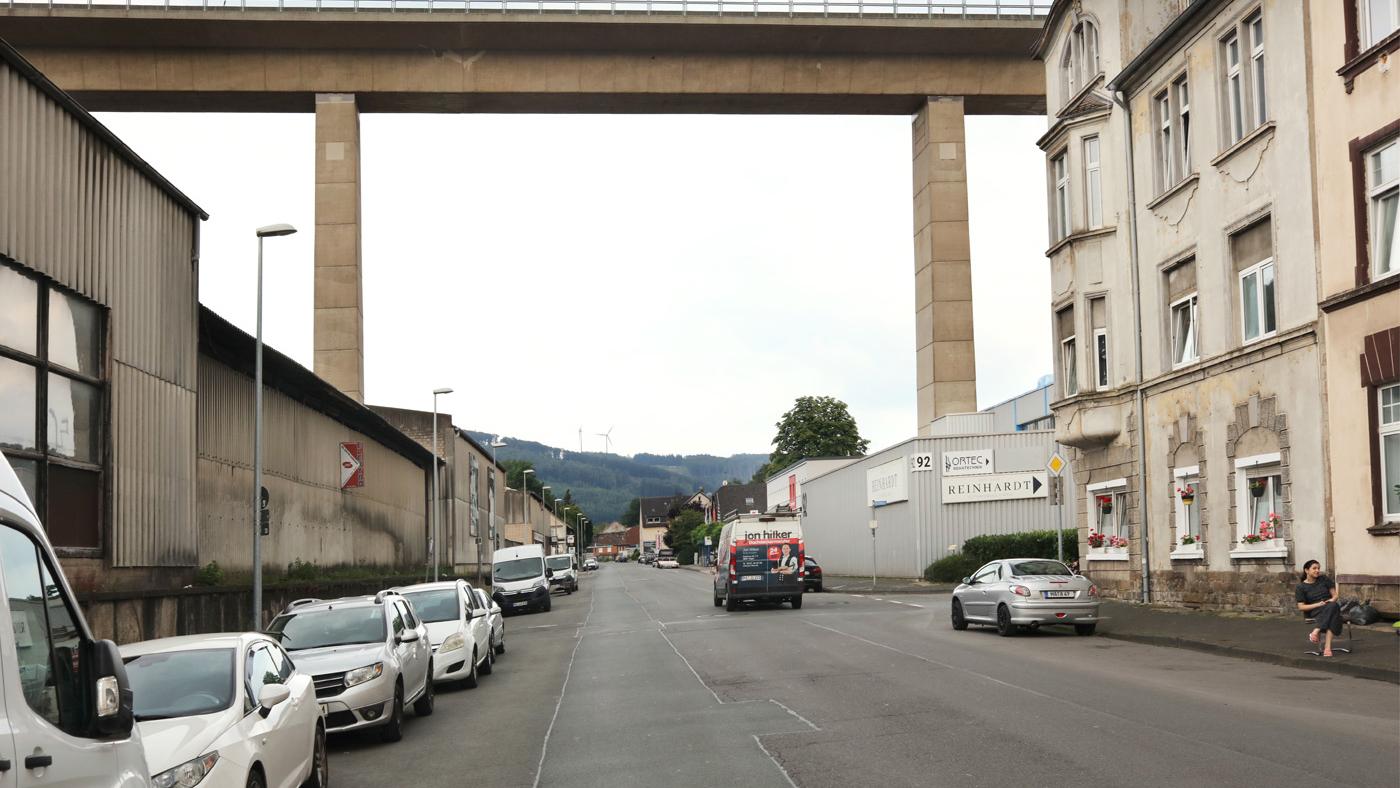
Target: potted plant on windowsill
(1268,530)
(1187,493)
(1192,541)
(1096,539)
(1257,487)
(1105,503)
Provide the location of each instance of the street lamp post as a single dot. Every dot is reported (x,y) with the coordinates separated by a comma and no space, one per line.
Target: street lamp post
(270,231)
(496,443)
(434,538)
(525,496)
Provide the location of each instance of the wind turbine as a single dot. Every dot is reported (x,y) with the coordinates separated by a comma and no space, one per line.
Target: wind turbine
(607,440)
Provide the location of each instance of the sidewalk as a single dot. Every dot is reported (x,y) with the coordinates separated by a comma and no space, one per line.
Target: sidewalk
(1276,639)
(847,584)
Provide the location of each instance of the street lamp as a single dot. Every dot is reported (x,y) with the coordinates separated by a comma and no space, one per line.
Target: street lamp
(525,496)
(433,547)
(496,443)
(270,231)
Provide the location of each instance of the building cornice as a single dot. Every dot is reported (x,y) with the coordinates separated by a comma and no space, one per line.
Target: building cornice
(1357,295)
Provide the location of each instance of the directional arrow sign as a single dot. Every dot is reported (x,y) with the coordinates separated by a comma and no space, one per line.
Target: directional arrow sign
(352,465)
(994,487)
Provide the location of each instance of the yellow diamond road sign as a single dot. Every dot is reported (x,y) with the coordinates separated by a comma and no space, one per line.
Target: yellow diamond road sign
(1056,464)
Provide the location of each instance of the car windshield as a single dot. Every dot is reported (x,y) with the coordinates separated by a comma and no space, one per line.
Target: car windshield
(329,627)
(181,683)
(439,605)
(1027,568)
(558,562)
(519,569)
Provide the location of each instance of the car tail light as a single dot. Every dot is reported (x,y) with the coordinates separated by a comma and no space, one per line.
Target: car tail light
(1093,590)
(1020,591)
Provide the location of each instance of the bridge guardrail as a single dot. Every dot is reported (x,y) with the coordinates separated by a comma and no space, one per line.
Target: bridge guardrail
(896,9)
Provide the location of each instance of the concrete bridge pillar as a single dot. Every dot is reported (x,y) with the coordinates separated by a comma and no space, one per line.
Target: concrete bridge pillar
(946,364)
(339,326)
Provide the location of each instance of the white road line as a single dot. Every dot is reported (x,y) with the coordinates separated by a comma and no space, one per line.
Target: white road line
(542,626)
(544,748)
(911,604)
(786,776)
(804,720)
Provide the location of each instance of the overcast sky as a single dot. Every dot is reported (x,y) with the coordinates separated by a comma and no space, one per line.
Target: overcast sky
(680,279)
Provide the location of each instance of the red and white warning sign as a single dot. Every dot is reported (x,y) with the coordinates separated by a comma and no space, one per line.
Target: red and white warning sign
(352,465)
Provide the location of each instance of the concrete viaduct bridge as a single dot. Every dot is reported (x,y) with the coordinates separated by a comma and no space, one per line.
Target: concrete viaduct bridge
(934,61)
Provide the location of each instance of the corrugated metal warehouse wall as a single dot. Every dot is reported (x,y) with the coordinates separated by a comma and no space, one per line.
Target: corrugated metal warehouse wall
(917,532)
(74,210)
(313,520)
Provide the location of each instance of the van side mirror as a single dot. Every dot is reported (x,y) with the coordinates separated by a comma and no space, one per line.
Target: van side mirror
(549,573)
(110,702)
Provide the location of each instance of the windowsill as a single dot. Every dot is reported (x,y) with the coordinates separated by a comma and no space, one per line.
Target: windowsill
(1264,130)
(1080,236)
(1270,548)
(1364,60)
(1181,186)
(1258,339)
(1371,289)
(1192,552)
(1107,554)
(1386,528)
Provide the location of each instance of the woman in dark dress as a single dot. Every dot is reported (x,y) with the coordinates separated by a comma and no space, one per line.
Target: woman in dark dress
(1317,597)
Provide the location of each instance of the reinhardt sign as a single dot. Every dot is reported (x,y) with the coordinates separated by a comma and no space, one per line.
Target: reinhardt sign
(888,482)
(994,487)
(967,463)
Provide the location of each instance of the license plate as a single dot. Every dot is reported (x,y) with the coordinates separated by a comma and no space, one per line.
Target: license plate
(1059,595)
(521,604)
(747,578)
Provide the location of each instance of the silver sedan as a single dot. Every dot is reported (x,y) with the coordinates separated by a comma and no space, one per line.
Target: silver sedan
(1032,592)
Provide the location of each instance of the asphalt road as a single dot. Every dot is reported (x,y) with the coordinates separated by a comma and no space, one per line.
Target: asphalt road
(639,680)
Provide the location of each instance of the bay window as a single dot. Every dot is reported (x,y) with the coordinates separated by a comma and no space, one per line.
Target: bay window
(1098,317)
(1093,183)
(1060,209)
(1069,367)
(53,403)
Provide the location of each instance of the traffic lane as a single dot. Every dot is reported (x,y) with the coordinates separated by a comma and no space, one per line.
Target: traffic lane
(1065,704)
(489,736)
(630,693)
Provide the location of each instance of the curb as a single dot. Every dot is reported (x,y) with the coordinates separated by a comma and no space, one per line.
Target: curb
(1301,661)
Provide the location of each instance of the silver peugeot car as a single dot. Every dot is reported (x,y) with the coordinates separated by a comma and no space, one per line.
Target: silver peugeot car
(1026,592)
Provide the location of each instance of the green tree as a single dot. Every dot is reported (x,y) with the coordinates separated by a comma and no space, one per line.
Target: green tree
(815,427)
(632,514)
(681,533)
(515,472)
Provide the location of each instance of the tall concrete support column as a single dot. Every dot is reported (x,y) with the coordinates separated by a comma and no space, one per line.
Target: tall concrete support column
(339,327)
(946,364)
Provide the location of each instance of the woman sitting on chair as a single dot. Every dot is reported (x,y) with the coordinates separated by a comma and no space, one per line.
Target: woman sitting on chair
(1317,597)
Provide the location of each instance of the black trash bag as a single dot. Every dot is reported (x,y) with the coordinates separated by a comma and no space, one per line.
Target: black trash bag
(1363,614)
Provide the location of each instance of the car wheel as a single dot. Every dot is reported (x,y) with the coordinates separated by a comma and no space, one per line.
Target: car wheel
(1004,626)
(488,664)
(1084,630)
(730,603)
(393,730)
(320,776)
(501,647)
(718,602)
(797,602)
(255,779)
(471,681)
(548,604)
(423,707)
(959,620)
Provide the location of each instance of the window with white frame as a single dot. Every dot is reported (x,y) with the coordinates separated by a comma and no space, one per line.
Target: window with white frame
(1183,122)
(1376,19)
(1251,251)
(1165,148)
(1098,318)
(1388,401)
(1107,501)
(1382,199)
(1188,511)
(1087,38)
(1069,367)
(1244,90)
(1171,115)
(1184,331)
(1093,183)
(1069,80)
(1263,511)
(1060,211)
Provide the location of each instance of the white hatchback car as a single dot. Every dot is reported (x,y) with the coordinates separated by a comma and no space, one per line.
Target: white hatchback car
(497,619)
(226,711)
(458,628)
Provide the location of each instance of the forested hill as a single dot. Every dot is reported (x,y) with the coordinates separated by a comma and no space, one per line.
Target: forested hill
(604,483)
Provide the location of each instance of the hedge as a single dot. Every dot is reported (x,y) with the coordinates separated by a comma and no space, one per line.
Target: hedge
(980,549)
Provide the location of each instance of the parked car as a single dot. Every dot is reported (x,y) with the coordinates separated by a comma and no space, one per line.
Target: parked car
(65,698)
(564,572)
(496,619)
(648,558)
(590,564)
(1033,592)
(457,629)
(811,574)
(621,559)
(666,559)
(369,657)
(759,559)
(519,579)
(222,711)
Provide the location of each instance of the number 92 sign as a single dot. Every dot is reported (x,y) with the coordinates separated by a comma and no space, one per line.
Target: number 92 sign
(921,462)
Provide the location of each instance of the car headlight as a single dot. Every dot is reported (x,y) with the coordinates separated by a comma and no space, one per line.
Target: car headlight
(541,583)
(361,675)
(187,774)
(454,641)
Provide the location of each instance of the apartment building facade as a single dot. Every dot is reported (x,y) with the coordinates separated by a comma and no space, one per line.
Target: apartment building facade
(1185,294)
(1356,146)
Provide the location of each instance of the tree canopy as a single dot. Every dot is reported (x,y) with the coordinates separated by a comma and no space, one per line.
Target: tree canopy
(814,427)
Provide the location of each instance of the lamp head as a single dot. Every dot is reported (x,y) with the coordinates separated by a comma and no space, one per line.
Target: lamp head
(497,443)
(527,470)
(274,230)
(442,391)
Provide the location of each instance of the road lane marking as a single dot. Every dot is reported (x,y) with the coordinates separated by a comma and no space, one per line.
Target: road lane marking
(786,776)
(542,626)
(544,747)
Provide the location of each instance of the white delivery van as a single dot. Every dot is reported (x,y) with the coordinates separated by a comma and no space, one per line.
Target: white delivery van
(65,704)
(760,558)
(519,579)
